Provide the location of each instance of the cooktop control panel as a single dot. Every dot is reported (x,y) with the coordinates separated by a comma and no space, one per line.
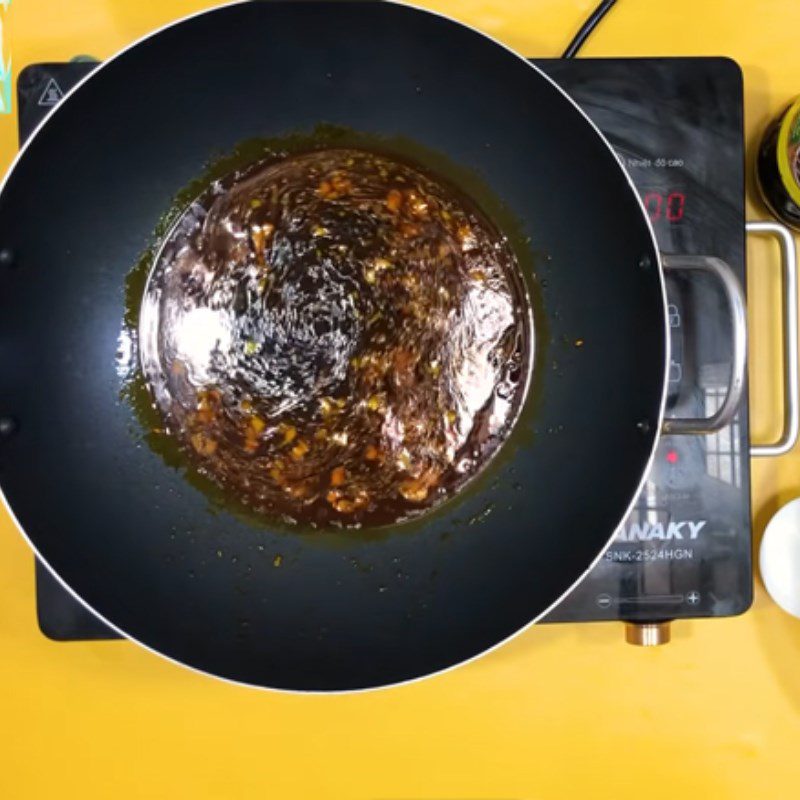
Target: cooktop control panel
(676,126)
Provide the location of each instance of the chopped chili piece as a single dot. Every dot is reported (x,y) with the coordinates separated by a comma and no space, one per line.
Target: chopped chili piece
(338,476)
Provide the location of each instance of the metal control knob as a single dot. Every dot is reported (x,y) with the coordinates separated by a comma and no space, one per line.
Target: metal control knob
(647,634)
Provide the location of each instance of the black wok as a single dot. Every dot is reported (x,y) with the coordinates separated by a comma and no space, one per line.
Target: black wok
(136,542)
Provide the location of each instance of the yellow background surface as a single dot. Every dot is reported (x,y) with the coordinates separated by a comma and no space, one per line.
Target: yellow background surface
(562,711)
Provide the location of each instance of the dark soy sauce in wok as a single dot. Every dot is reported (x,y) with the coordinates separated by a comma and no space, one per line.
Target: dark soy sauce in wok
(336,338)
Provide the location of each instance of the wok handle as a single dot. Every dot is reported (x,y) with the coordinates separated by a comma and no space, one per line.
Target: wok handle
(791,381)
(735,299)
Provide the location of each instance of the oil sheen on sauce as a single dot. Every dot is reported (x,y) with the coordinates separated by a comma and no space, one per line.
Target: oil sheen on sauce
(336,338)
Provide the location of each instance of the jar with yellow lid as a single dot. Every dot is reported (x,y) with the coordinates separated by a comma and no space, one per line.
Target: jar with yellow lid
(778,166)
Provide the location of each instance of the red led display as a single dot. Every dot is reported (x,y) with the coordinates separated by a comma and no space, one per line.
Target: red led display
(667,206)
(672,456)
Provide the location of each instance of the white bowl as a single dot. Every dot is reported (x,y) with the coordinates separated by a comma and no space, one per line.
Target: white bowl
(779,558)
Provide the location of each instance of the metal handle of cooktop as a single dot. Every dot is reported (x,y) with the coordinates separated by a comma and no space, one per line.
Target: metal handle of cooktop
(736,304)
(791,372)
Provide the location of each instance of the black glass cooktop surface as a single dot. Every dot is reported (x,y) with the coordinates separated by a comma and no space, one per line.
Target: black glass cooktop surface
(676,126)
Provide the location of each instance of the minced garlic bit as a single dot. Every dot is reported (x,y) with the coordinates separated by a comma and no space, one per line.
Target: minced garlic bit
(203,444)
(300,449)
(289,432)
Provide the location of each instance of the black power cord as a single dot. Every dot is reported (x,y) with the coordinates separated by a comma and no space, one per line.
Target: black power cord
(586,29)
